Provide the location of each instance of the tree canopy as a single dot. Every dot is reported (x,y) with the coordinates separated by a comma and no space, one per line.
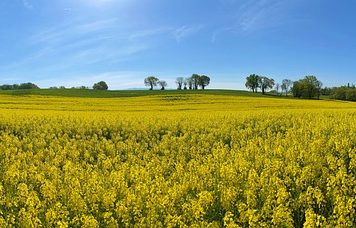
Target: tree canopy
(151,81)
(265,83)
(252,82)
(100,86)
(309,87)
(204,81)
(163,84)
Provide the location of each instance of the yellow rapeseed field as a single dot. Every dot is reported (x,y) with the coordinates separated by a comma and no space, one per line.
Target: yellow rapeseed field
(177,161)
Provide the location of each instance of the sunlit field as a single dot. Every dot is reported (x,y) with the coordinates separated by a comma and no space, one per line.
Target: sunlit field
(176,159)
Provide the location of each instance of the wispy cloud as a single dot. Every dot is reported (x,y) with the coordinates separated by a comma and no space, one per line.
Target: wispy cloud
(185,31)
(27,4)
(252,16)
(259,14)
(115,79)
(82,44)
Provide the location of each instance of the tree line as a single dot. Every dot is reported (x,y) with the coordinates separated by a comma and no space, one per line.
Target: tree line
(194,82)
(347,92)
(27,85)
(309,87)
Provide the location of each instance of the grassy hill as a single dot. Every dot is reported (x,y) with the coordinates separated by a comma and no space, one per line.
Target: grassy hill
(122,93)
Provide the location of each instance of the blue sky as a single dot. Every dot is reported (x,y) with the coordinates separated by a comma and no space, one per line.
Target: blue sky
(80,42)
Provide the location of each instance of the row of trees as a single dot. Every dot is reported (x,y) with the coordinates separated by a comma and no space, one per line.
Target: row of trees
(254,82)
(308,87)
(27,85)
(193,82)
(347,92)
(97,86)
(152,81)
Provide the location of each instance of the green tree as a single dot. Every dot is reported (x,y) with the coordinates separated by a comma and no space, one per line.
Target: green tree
(309,87)
(100,86)
(163,84)
(277,88)
(286,84)
(195,80)
(180,82)
(252,82)
(204,81)
(265,83)
(151,81)
(189,82)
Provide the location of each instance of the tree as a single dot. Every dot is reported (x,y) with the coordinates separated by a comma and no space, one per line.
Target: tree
(27,85)
(204,81)
(265,83)
(286,84)
(163,84)
(100,86)
(195,80)
(277,88)
(309,87)
(180,82)
(185,83)
(252,82)
(151,81)
(189,82)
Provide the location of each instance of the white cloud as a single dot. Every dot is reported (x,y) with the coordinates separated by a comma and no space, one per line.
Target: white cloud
(185,31)
(27,4)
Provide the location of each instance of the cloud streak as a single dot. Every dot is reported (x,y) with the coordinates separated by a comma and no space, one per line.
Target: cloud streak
(27,4)
(259,14)
(185,31)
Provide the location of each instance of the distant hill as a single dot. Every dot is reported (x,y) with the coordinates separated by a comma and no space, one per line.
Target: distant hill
(122,93)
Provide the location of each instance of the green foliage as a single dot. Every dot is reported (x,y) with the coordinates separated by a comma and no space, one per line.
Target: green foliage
(27,85)
(121,93)
(344,93)
(180,82)
(163,84)
(195,80)
(265,83)
(204,81)
(100,86)
(151,81)
(286,84)
(252,82)
(309,87)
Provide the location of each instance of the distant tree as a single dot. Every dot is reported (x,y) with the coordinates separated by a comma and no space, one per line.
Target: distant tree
(204,81)
(309,87)
(265,83)
(277,86)
(286,84)
(180,82)
(100,86)
(252,82)
(195,80)
(189,82)
(28,85)
(62,87)
(6,87)
(151,81)
(163,84)
(185,83)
